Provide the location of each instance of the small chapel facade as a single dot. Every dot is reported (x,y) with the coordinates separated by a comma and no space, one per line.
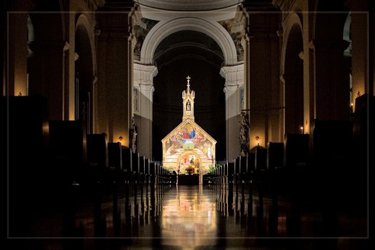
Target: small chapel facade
(188,149)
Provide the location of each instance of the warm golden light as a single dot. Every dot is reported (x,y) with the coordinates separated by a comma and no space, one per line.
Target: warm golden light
(45,128)
(20,86)
(19,91)
(301,129)
(121,140)
(189,220)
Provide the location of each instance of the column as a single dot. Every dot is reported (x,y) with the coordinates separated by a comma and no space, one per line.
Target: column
(14,71)
(332,82)
(360,51)
(143,89)
(114,76)
(308,72)
(46,78)
(265,90)
(234,97)
(17,67)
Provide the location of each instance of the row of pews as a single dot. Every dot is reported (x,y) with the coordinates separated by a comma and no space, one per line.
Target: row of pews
(123,163)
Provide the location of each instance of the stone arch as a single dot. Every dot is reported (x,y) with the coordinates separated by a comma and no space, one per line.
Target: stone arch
(292,72)
(165,28)
(84,24)
(293,21)
(85,71)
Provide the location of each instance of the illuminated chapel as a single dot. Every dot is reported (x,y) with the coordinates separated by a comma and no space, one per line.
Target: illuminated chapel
(188,149)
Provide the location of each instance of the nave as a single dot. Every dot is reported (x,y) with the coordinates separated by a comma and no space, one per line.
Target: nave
(220,215)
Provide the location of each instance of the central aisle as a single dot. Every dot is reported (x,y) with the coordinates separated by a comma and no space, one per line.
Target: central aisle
(189,217)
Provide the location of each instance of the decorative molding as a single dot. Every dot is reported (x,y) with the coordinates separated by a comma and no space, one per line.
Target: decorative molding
(234,77)
(230,90)
(66,46)
(189,5)
(143,79)
(140,28)
(236,28)
(211,28)
(214,15)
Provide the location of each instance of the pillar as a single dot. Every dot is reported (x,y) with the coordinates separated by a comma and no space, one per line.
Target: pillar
(113,107)
(360,49)
(264,100)
(17,67)
(14,47)
(143,89)
(332,85)
(308,72)
(234,85)
(46,78)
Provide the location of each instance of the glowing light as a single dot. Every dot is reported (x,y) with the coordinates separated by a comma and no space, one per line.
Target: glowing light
(121,140)
(45,128)
(188,219)
(301,129)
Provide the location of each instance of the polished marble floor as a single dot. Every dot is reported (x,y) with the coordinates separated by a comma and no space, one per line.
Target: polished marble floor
(189,217)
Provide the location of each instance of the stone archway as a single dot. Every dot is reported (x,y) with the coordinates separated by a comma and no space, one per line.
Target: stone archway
(165,28)
(84,74)
(144,70)
(292,72)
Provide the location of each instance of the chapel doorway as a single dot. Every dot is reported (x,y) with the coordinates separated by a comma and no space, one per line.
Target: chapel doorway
(188,164)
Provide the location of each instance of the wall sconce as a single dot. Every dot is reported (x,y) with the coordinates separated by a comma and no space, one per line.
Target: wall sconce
(121,140)
(257,139)
(351,107)
(45,128)
(301,129)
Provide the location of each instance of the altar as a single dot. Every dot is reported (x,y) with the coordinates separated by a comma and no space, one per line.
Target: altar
(188,149)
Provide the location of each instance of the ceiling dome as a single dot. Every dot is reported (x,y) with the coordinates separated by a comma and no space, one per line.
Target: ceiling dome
(188,5)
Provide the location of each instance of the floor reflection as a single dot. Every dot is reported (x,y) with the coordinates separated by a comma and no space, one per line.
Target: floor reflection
(189,218)
(223,216)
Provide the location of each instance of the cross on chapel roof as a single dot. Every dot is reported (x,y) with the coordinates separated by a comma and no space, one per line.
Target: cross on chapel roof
(188,82)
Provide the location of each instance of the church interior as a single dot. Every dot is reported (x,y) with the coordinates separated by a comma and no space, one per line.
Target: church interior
(187,124)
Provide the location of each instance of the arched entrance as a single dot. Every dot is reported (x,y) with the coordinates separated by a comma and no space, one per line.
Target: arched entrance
(195,54)
(293,76)
(195,58)
(84,76)
(189,163)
